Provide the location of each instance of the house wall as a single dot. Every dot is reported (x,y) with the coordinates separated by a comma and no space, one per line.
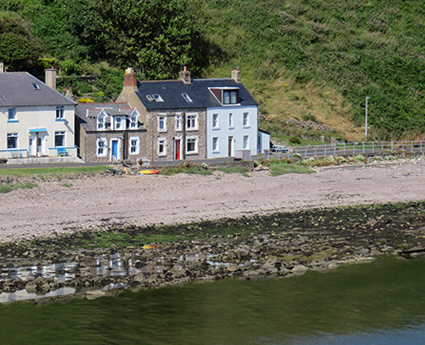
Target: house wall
(123,138)
(223,131)
(37,117)
(171,134)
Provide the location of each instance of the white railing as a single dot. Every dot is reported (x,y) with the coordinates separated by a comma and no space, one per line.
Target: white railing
(354,148)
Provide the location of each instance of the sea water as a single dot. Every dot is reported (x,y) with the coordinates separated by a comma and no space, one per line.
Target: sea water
(382,302)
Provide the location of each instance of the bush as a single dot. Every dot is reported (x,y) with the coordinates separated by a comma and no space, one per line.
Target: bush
(295,140)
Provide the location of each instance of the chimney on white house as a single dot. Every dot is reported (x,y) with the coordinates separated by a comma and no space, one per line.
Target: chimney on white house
(50,77)
(130,79)
(236,75)
(1,67)
(185,75)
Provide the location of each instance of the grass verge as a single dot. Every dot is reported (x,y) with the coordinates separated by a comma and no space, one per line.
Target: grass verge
(8,187)
(52,171)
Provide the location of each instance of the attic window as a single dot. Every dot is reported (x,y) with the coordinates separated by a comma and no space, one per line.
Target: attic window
(187,98)
(36,86)
(149,97)
(158,98)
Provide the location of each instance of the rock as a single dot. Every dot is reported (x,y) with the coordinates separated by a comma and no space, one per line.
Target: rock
(299,270)
(91,295)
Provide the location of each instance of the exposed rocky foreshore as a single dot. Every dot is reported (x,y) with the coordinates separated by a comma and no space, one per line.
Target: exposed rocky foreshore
(277,245)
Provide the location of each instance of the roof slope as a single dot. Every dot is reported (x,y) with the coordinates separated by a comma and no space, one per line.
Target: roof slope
(23,89)
(198,90)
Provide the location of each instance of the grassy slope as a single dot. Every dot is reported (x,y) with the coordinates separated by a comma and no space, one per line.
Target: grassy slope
(322,58)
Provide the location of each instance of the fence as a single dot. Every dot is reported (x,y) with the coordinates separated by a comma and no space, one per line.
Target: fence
(352,149)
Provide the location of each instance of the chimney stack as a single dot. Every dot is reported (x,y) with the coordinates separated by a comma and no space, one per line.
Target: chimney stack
(1,67)
(185,75)
(130,79)
(236,75)
(50,77)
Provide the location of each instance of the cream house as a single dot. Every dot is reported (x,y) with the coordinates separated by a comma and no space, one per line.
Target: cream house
(35,119)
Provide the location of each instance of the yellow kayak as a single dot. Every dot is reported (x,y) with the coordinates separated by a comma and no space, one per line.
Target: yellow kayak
(148,172)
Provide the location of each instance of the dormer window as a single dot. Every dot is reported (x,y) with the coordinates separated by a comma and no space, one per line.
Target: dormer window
(133,121)
(226,95)
(101,121)
(230,97)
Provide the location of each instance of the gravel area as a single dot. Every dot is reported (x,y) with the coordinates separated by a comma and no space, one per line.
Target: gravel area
(94,202)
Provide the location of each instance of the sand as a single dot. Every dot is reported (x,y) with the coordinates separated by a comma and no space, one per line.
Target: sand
(95,202)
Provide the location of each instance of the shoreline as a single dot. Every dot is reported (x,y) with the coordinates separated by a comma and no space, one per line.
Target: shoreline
(278,245)
(100,201)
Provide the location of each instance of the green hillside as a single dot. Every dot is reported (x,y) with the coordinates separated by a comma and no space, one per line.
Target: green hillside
(313,61)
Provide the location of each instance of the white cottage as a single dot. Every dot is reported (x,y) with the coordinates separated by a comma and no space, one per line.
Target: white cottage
(35,119)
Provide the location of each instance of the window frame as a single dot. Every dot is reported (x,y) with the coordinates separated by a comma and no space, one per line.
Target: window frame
(162,142)
(137,146)
(195,141)
(60,112)
(215,121)
(215,145)
(133,121)
(179,123)
(245,119)
(104,148)
(15,137)
(245,142)
(192,122)
(231,96)
(163,119)
(62,134)
(231,121)
(14,117)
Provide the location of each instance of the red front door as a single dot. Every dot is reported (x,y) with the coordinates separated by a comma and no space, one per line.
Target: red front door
(177,151)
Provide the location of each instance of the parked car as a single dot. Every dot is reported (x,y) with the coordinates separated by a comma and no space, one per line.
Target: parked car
(279,149)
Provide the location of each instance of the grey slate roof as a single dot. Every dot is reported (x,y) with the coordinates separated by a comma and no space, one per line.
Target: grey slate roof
(171,92)
(86,113)
(17,89)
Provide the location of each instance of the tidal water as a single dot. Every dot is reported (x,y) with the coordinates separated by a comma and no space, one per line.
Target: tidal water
(376,303)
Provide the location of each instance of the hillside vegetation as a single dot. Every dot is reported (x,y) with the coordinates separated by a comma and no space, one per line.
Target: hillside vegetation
(310,60)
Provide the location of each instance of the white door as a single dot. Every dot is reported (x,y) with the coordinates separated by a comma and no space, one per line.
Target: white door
(32,145)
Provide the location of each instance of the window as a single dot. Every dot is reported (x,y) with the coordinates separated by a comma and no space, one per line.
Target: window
(101,122)
(162,147)
(245,119)
(59,113)
(158,98)
(118,123)
(192,145)
(12,114)
(59,139)
(133,121)
(215,121)
(192,122)
(134,146)
(178,123)
(215,144)
(245,142)
(187,98)
(230,120)
(36,86)
(162,124)
(101,147)
(230,96)
(12,140)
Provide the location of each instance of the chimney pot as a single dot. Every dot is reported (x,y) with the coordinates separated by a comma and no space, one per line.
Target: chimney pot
(1,67)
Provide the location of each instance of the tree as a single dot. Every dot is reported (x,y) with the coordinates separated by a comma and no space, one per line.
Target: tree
(155,36)
(19,49)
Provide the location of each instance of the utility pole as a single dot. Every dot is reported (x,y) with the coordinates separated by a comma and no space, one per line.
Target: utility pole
(365,126)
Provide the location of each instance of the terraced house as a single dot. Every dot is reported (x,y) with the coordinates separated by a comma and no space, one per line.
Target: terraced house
(109,132)
(190,119)
(36,121)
